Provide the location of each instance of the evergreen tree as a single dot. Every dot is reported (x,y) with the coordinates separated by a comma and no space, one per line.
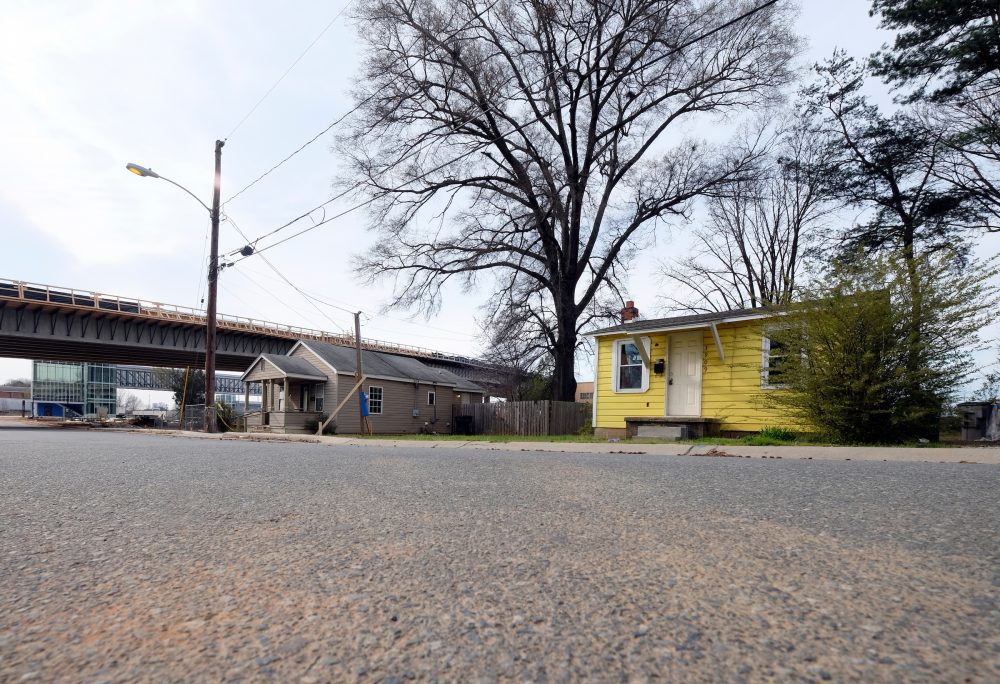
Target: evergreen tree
(941,45)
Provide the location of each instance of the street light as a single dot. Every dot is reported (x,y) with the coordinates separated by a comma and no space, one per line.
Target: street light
(141,170)
(213,275)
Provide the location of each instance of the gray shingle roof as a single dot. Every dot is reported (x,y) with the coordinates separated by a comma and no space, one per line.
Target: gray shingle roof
(387,365)
(293,366)
(678,321)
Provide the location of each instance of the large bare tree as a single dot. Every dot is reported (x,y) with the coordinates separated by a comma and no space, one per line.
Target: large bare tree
(751,250)
(535,142)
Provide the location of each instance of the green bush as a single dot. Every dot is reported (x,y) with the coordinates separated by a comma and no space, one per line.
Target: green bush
(877,347)
(778,434)
(587,429)
(226,419)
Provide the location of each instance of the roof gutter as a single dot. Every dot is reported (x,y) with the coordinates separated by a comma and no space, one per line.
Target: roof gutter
(683,326)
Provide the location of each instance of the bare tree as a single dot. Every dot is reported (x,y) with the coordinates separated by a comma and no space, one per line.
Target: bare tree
(751,250)
(129,402)
(534,141)
(970,131)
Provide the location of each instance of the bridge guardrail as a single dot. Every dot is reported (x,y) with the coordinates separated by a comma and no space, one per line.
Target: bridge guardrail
(67,296)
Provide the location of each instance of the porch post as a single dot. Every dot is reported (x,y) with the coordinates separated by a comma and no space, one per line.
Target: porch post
(246,406)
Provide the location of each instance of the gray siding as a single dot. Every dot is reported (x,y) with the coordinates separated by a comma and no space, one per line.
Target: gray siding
(399,399)
(330,399)
(261,369)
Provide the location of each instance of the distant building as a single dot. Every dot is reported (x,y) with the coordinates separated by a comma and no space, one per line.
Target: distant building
(236,402)
(14,392)
(584,392)
(404,395)
(67,389)
(13,398)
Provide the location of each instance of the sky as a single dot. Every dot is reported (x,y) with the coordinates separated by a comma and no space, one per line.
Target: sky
(88,87)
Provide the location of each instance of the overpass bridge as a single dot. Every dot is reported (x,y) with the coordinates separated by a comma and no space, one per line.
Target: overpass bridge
(65,324)
(146,378)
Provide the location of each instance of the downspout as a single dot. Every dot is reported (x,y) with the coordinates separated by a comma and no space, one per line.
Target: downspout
(597,383)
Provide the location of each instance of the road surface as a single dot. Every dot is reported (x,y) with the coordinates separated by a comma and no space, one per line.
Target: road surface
(129,557)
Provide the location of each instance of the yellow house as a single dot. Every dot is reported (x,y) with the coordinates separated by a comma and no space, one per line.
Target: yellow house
(686,376)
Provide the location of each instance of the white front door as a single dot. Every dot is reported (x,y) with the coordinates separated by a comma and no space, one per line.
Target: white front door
(684,374)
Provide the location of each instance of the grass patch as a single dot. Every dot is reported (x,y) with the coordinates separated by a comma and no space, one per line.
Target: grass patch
(759,439)
(568,439)
(487,438)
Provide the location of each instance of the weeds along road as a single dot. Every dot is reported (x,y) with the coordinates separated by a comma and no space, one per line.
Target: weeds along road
(129,557)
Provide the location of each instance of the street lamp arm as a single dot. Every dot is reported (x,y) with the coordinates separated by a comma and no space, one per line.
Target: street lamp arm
(207,208)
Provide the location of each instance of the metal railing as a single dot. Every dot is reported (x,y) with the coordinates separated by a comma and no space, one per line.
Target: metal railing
(20,290)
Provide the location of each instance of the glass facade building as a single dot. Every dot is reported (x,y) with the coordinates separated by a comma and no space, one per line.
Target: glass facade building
(68,389)
(236,402)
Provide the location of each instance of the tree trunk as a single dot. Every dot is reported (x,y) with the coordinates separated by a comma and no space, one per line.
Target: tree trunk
(564,353)
(563,376)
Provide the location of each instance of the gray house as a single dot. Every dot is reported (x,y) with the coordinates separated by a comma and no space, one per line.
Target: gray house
(313,378)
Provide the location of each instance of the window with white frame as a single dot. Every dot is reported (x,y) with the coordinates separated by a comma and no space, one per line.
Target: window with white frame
(431,398)
(773,359)
(318,399)
(374,400)
(631,374)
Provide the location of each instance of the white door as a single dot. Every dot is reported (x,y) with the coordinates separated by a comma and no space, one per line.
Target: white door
(684,375)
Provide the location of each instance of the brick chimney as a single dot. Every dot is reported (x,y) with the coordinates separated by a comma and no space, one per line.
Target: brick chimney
(629,313)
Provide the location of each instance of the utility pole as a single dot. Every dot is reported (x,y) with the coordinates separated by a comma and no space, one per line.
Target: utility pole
(213,286)
(358,373)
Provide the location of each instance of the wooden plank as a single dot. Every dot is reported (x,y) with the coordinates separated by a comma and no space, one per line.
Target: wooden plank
(319,430)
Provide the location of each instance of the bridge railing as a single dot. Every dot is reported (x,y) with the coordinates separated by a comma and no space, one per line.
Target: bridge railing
(67,296)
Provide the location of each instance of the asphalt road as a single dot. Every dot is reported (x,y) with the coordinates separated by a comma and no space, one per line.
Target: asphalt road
(130,557)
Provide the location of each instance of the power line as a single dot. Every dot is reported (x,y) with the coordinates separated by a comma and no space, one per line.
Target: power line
(344,116)
(203,279)
(367,317)
(253,243)
(479,146)
(270,294)
(299,149)
(294,286)
(289,69)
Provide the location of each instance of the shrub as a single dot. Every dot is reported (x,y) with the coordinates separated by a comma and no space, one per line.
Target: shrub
(587,429)
(877,347)
(226,419)
(778,434)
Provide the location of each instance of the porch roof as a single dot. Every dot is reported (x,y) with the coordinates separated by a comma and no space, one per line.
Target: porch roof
(704,320)
(288,367)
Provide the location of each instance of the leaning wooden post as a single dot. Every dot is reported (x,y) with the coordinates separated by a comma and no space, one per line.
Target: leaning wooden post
(319,430)
(246,406)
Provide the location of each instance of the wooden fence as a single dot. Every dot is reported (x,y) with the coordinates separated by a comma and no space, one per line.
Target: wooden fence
(524,417)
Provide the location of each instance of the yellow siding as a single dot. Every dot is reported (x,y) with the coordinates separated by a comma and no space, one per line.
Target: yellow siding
(612,407)
(730,389)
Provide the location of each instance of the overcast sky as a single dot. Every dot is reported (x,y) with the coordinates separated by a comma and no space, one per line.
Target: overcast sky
(89,86)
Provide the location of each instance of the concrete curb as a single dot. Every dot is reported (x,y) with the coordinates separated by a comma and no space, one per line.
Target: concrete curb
(968,455)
